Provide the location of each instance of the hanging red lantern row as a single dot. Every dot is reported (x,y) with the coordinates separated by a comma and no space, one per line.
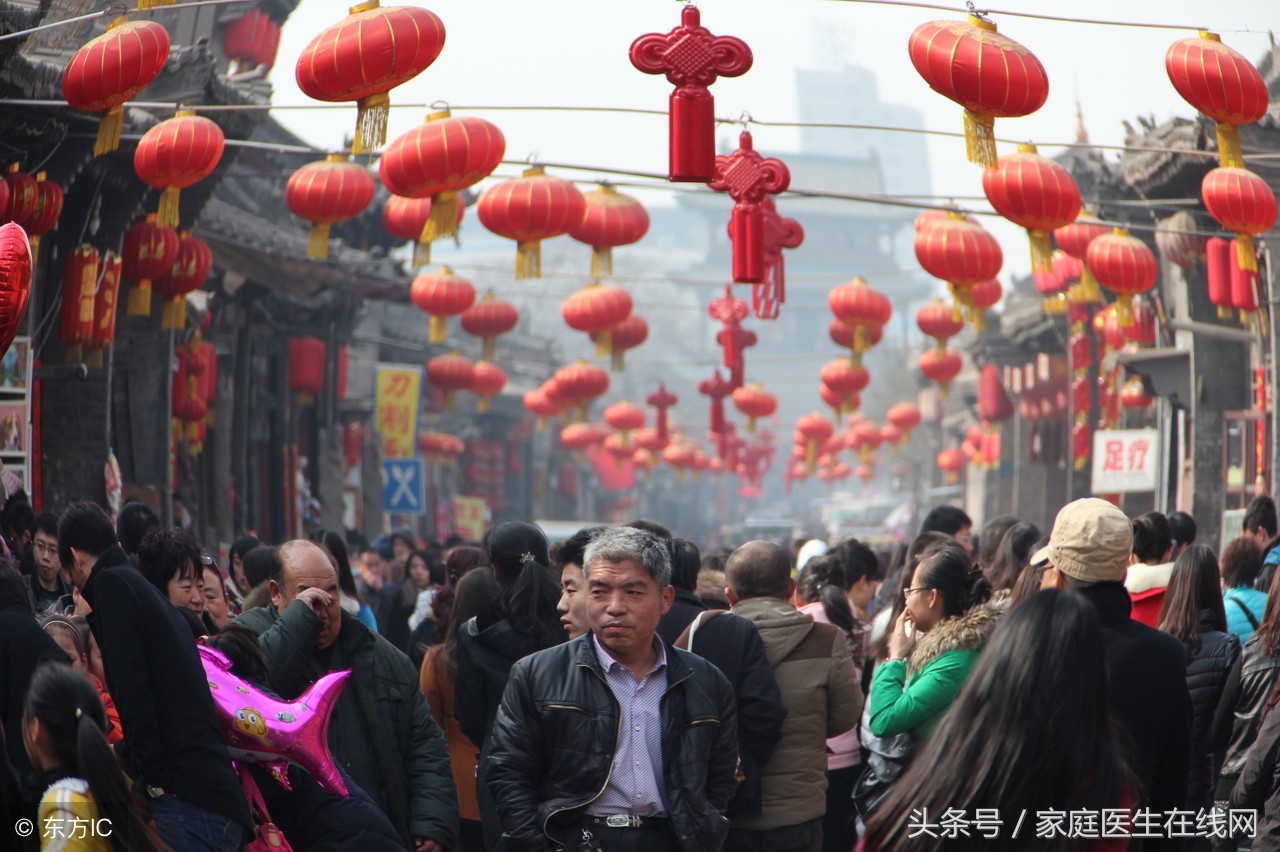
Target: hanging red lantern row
(22,196)
(307,357)
(1177,240)
(610,219)
(755,403)
(365,56)
(1242,202)
(691,58)
(326,192)
(906,416)
(596,309)
(1125,266)
(1220,83)
(941,367)
(440,295)
(487,381)
(716,389)
(45,213)
(580,383)
(407,218)
(989,74)
(844,380)
(190,270)
(749,179)
(864,309)
(489,319)
(780,233)
(662,400)
(439,159)
(15,281)
(983,297)
(79,289)
(626,418)
(624,336)
(938,320)
(960,252)
(1074,239)
(112,69)
(177,153)
(1035,193)
(529,209)
(104,310)
(451,373)
(951,462)
(1054,284)
(148,253)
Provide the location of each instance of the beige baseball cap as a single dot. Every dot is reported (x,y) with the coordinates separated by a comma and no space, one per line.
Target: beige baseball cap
(1091,541)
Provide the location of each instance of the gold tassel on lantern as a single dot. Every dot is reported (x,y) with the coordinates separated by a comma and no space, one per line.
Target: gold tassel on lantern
(371,116)
(1124,311)
(1229,153)
(109,128)
(421,253)
(617,362)
(1041,251)
(139,300)
(153,4)
(482,404)
(604,344)
(1246,255)
(167,213)
(1055,304)
(174,315)
(980,139)
(528,260)
(601,262)
(489,348)
(437,329)
(318,243)
(542,424)
(442,221)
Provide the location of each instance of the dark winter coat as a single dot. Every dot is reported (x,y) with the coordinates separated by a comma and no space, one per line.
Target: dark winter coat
(1257,675)
(1258,787)
(1212,677)
(160,689)
(1149,700)
(487,649)
(23,645)
(551,748)
(684,609)
(381,730)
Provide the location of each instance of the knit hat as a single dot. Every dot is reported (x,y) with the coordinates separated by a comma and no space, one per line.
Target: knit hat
(1091,541)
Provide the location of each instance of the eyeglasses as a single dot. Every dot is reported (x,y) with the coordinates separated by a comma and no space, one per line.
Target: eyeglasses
(906,593)
(41,547)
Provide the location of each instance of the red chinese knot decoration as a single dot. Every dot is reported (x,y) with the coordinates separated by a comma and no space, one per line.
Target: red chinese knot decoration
(749,179)
(780,232)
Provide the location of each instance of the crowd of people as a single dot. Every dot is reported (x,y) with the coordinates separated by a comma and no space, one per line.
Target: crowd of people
(1105,685)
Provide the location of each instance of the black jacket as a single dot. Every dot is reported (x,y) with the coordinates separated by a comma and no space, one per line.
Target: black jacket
(159,687)
(1212,678)
(552,744)
(684,609)
(381,729)
(733,645)
(1258,787)
(23,645)
(1149,699)
(487,649)
(1257,675)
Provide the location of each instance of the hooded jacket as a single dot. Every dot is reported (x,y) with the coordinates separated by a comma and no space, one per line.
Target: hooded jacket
(913,695)
(820,690)
(488,647)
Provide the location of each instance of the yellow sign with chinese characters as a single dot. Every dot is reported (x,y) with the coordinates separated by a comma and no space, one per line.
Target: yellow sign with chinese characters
(397,401)
(469,517)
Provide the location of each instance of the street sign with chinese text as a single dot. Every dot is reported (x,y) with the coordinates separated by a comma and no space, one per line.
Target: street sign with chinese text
(396,403)
(1125,460)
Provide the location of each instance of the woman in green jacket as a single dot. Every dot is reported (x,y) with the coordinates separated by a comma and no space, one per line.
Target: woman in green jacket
(945,604)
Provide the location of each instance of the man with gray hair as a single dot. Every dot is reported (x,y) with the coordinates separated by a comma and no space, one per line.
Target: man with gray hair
(616,740)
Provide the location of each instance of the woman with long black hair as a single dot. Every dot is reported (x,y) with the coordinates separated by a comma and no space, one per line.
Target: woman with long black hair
(1192,612)
(76,771)
(1030,731)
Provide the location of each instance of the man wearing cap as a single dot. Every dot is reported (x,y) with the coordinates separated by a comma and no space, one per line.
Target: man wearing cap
(1089,551)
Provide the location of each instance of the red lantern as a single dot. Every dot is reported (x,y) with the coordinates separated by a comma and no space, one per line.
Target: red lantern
(844,378)
(839,402)
(862,308)
(79,286)
(441,295)
(628,334)
(22,195)
(691,58)
(112,69)
(1244,289)
(1053,284)
(624,417)
(866,439)
(749,179)
(648,439)
(488,319)
(45,214)
(1143,330)
(439,159)
(451,373)
(960,252)
(1125,266)
(191,267)
(408,218)
(365,56)
(487,380)
(1220,83)
(529,209)
(148,253)
(842,335)
(1218,273)
(1074,239)
(240,38)
(989,74)
(754,402)
(306,368)
(175,154)
(1241,202)
(662,399)
(939,321)
(816,430)
(328,191)
(1081,445)
(1035,193)
(994,404)
(1177,241)
(104,310)
(537,403)
(951,462)
(1134,395)
(580,437)
(595,310)
(941,367)
(891,434)
(906,416)
(983,296)
(580,383)
(611,219)
(15,281)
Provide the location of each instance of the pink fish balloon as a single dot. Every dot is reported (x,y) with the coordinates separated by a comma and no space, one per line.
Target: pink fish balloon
(274,733)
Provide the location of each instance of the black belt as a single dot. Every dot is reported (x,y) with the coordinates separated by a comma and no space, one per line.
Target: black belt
(647,823)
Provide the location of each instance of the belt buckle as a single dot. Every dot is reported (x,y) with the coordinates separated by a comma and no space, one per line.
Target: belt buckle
(620,821)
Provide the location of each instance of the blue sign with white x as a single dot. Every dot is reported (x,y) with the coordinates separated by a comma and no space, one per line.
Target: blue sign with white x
(402,486)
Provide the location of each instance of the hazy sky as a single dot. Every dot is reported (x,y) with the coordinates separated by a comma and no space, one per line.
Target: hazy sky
(556,52)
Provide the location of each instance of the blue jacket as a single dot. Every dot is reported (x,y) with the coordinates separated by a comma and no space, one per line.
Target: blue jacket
(1237,621)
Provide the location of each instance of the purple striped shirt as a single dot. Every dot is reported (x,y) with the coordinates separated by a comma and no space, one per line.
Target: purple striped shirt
(635,784)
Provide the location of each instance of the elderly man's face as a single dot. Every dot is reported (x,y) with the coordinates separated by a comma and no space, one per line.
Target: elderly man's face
(309,568)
